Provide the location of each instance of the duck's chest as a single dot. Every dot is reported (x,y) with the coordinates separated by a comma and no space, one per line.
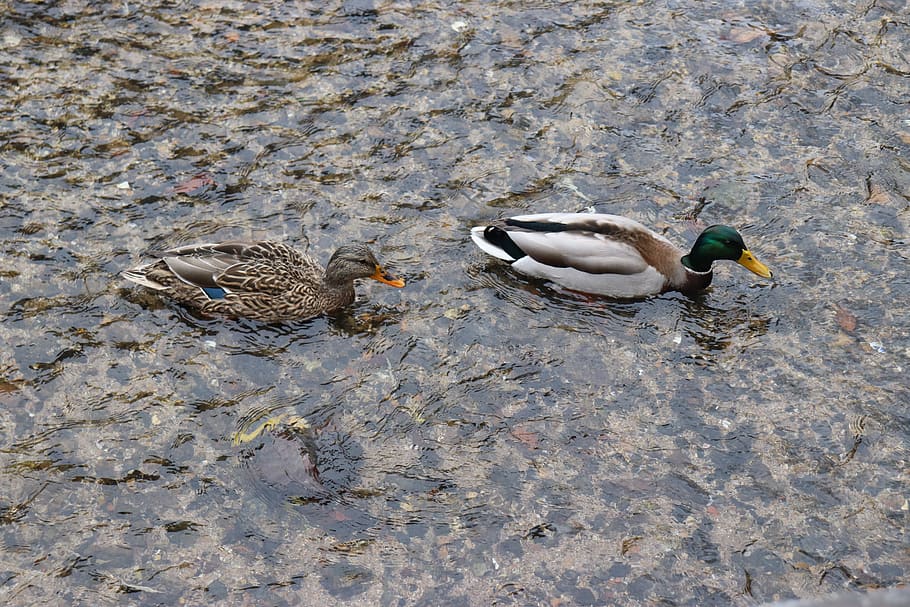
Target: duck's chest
(318,297)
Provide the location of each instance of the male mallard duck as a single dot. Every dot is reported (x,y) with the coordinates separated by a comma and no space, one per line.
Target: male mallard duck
(266,281)
(610,255)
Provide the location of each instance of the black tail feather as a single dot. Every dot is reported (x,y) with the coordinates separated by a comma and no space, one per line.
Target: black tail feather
(501,239)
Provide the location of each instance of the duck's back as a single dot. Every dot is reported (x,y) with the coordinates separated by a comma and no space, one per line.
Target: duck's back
(591,252)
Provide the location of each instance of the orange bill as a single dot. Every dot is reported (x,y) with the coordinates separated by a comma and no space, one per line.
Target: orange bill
(384,278)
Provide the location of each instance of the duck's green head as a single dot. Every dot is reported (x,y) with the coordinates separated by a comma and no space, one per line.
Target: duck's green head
(722,242)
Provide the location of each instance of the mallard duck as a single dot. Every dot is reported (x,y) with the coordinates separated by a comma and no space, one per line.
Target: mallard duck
(610,255)
(266,281)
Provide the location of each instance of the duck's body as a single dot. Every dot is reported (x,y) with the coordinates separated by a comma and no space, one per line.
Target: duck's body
(267,281)
(609,254)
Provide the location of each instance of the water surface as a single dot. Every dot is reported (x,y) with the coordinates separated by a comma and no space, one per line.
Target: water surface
(480,438)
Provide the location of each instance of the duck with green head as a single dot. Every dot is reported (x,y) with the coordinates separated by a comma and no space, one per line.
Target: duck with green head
(609,254)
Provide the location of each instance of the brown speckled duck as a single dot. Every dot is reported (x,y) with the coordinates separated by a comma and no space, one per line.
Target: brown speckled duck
(266,281)
(609,254)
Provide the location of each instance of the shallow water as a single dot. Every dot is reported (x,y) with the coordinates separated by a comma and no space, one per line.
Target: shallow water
(481,438)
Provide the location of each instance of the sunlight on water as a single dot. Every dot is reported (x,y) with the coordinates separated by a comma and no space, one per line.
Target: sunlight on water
(477,437)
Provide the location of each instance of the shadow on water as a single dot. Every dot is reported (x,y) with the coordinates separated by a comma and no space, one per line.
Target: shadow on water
(720,330)
(298,469)
(313,469)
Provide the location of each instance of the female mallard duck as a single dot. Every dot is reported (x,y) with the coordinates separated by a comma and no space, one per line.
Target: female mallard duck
(266,281)
(610,255)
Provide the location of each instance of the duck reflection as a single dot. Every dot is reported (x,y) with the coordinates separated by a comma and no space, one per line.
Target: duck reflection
(717,329)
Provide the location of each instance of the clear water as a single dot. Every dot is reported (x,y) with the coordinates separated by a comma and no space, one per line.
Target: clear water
(481,438)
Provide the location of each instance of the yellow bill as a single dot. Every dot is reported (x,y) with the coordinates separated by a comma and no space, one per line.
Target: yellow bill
(748,261)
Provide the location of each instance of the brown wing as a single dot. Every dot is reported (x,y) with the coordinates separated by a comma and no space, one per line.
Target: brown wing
(237,267)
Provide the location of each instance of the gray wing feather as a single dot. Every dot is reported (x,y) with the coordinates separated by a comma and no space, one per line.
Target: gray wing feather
(197,271)
(584,251)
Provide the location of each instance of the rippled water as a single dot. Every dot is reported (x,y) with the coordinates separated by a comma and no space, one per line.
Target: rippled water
(480,438)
